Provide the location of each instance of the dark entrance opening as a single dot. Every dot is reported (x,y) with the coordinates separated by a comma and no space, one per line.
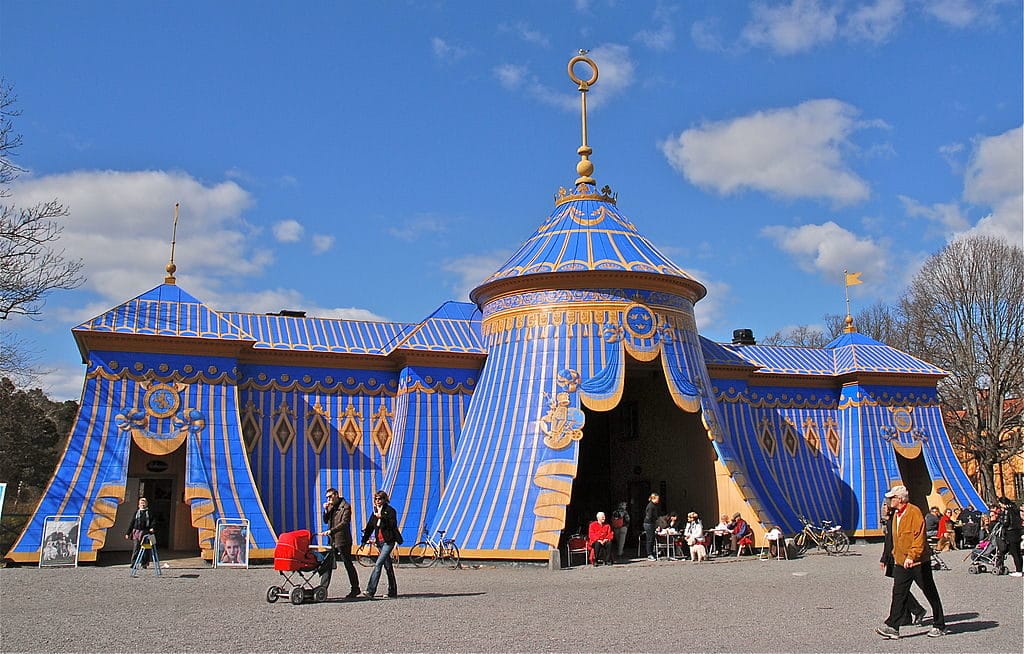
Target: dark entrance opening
(645,444)
(915,476)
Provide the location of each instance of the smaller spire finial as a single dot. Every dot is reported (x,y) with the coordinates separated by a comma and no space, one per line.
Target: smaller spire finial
(584,167)
(171,268)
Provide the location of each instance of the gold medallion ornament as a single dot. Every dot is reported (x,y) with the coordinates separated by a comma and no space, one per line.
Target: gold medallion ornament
(161,401)
(902,419)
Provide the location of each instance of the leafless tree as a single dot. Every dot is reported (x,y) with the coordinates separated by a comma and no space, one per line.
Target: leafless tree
(880,321)
(964,312)
(31,264)
(801,335)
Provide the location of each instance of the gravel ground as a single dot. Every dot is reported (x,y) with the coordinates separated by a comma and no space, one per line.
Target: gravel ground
(814,604)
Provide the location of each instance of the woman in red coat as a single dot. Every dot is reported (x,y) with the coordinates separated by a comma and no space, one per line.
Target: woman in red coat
(600,536)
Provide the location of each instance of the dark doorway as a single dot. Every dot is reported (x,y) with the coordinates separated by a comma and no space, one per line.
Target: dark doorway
(645,444)
(160,493)
(914,473)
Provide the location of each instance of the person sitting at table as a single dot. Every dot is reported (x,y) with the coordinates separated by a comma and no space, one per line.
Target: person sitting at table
(669,527)
(601,537)
(740,530)
(723,532)
(694,535)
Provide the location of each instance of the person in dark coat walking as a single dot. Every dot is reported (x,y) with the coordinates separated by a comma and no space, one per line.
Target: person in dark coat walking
(338,518)
(382,527)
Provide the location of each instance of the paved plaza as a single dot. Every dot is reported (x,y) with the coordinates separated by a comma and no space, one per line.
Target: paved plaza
(814,604)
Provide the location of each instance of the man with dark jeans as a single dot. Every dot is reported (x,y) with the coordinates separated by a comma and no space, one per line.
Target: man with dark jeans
(338,517)
(912,564)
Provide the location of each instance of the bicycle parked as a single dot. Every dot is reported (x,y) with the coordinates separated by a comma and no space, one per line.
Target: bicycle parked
(827,536)
(427,552)
(366,555)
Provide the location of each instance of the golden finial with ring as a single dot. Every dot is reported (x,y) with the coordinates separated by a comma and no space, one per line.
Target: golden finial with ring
(584,168)
(171,268)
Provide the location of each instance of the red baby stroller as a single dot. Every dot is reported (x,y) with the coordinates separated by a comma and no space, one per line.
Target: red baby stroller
(293,558)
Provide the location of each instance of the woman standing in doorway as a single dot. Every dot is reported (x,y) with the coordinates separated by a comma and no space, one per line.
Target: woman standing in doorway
(140,525)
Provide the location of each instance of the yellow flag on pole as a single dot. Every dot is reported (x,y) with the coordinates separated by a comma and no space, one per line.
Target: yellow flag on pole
(852,279)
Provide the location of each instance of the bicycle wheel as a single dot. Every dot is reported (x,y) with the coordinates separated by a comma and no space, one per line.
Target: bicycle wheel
(450,555)
(366,555)
(422,554)
(800,543)
(840,543)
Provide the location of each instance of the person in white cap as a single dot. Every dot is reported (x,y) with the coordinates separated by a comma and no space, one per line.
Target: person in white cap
(912,565)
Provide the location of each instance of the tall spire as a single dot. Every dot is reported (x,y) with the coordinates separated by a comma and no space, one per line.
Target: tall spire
(584,168)
(171,268)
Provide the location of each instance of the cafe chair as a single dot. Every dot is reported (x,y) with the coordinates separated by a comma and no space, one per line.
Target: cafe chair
(578,545)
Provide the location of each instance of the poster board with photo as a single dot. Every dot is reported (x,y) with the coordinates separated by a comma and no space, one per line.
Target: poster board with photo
(59,547)
(231,545)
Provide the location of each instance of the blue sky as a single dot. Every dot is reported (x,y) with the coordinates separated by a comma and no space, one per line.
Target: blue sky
(373,160)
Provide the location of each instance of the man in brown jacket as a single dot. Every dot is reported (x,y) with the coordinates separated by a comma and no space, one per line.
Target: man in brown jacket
(912,564)
(338,516)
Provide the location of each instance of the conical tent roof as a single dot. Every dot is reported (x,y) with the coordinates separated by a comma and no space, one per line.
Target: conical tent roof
(587,232)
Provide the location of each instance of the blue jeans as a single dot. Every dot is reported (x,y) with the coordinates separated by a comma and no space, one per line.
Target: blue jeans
(383,561)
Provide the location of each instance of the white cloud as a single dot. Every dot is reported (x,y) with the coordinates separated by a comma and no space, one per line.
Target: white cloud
(792,28)
(523,30)
(511,76)
(995,179)
(710,311)
(705,35)
(955,13)
(275,299)
(414,228)
(948,215)
(322,243)
(663,36)
(471,270)
(615,74)
(445,51)
(793,152)
(828,249)
(876,22)
(288,231)
(120,226)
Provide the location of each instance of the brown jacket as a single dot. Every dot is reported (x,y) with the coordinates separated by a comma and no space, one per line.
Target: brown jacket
(338,517)
(908,539)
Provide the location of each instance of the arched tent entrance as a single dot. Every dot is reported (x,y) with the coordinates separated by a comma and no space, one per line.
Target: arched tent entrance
(914,474)
(645,444)
(161,480)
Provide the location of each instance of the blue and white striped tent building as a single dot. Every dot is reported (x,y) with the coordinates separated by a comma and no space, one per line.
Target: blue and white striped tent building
(576,379)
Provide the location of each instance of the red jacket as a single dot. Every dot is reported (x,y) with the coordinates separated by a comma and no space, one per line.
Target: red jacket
(600,531)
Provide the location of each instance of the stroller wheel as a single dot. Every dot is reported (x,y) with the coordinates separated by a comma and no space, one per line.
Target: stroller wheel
(1001,570)
(272,594)
(296,596)
(320,594)
(972,570)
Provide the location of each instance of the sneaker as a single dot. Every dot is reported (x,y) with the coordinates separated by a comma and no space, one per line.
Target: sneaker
(1017,574)
(367,595)
(650,557)
(916,618)
(937,632)
(885,631)
(392,593)
(353,593)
